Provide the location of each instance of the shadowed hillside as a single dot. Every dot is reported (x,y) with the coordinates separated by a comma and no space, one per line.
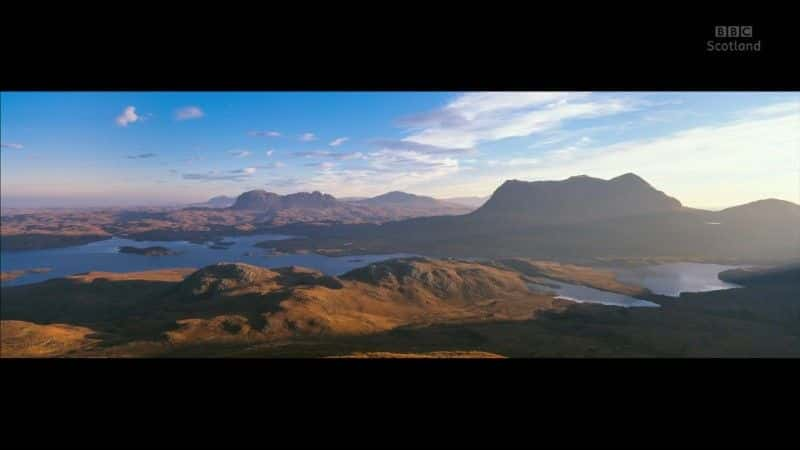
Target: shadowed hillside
(575,200)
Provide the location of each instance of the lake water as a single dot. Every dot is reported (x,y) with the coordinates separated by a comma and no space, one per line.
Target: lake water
(583,294)
(105,256)
(674,278)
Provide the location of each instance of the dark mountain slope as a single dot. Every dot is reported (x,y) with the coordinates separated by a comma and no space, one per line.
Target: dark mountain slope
(576,199)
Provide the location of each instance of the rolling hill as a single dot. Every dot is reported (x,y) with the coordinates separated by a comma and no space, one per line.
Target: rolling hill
(409,307)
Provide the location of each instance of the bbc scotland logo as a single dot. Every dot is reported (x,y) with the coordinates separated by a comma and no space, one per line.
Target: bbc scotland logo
(733,38)
(733,31)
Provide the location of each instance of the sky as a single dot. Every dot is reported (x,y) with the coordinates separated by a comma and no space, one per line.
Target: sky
(707,149)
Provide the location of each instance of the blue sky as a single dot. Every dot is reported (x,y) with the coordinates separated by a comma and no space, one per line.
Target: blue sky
(138,148)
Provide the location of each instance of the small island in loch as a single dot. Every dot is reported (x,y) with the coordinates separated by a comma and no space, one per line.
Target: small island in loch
(147,251)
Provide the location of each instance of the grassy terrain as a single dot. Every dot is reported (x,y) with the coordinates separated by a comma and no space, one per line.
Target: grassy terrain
(416,306)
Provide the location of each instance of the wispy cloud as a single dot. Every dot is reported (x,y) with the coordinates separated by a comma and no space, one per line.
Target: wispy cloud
(321,165)
(240,153)
(264,133)
(188,113)
(410,163)
(473,118)
(513,162)
(215,175)
(329,154)
(776,109)
(270,152)
(246,171)
(128,116)
(338,141)
(290,183)
(403,145)
(12,145)
(385,170)
(273,165)
(308,137)
(195,158)
(142,156)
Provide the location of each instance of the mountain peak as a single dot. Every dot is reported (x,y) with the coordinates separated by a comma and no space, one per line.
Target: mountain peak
(577,199)
(256,199)
(629,177)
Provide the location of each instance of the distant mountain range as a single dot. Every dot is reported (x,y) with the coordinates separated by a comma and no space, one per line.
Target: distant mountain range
(583,217)
(317,206)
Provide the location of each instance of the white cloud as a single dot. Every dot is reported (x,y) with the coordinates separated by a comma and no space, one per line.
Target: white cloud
(143,156)
(328,154)
(377,172)
(215,175)
(272,165)
(777,109)
(338,141)
(12,145)
(270,152)
(514,162)
(189,112)
(483,117)
(264,133)
(128,116)
(240,153)
(308,137)
(322,165)
(404,145)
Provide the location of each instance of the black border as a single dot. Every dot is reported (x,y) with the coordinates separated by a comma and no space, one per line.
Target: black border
(403,48)
(407,403)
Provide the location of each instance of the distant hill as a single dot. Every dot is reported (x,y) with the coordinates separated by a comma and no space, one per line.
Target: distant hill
(761,211)
(422,205)
(316,206)
(220,201)
(268,201)
(785,274)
